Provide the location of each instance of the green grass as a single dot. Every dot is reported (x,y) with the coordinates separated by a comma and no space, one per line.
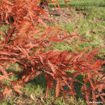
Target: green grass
(82,3)
(91,25)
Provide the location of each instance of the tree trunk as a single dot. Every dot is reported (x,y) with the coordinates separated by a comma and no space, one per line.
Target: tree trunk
(43,3)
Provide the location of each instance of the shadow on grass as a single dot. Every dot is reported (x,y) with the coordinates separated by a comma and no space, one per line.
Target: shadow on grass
(41,81)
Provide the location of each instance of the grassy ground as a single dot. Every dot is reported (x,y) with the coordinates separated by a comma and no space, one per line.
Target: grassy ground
(88,16)
(89,20)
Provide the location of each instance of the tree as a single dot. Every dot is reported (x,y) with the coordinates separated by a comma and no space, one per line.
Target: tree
(29,41)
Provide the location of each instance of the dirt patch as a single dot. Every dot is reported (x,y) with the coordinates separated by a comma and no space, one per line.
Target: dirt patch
(66,16)
(23,100)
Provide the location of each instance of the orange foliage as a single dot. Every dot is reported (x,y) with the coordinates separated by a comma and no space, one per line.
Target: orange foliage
(25,44)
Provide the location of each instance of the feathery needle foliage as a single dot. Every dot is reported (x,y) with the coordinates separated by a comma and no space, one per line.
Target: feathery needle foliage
(30,47)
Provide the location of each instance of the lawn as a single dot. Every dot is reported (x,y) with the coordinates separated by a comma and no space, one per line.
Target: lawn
(88,18)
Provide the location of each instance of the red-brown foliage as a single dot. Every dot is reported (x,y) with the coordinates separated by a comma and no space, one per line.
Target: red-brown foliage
(28,45)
